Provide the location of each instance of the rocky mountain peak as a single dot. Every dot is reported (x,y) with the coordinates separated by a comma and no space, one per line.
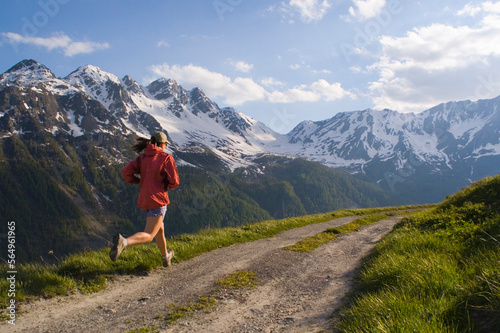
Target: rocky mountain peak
(131,85)
(27,64)
(27,73)
(200,102)
(100,85)
(165,88)
(90,75)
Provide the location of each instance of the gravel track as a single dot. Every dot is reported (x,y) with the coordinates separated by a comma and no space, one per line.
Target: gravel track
(297,292)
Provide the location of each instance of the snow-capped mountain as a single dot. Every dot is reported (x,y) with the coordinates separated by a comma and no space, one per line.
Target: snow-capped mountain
(93,101)
(445,134)
(436,151)
(455,142)
(193,122)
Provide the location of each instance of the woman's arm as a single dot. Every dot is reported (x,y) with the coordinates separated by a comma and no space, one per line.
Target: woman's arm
(130,171)
(172,176)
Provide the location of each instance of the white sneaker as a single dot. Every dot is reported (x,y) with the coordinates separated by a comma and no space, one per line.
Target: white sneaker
(118,246)
(167,260)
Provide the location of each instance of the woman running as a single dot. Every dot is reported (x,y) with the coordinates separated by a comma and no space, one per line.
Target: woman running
(156,173)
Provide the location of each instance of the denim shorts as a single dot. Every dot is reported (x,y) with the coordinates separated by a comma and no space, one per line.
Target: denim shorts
(155,212)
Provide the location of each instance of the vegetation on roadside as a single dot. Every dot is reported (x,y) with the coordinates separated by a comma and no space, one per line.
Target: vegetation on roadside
(310,243)
(438,271)
(238,280)
(144,330)
(89,271)
(176,311)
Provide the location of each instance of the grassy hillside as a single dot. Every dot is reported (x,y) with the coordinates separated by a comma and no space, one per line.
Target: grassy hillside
(438,271)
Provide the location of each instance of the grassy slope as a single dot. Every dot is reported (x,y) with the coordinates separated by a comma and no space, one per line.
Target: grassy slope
(310,243)
(438,271)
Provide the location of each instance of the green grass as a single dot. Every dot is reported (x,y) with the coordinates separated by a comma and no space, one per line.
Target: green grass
(310,243)
(238,280)
(144,330)
(438,271)
(177,312)
(89,271)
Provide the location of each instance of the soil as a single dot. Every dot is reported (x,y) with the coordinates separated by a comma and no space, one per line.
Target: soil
(296,291)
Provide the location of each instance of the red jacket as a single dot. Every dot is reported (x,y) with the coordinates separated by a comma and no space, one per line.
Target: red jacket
(157,171)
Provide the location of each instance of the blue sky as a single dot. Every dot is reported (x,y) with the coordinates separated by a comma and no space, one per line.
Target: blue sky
(280,62)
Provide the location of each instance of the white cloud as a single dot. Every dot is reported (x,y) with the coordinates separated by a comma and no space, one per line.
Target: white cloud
(320,90)
(241,90)
(242,66)
(75,48)
(366,9)
(299,94)
(329,92)
(271,82)
(438,63)
(469,10)
(162,43)
(309,10)
(491,7)
(473,10)
(356,69)
(59,41)
(234,92)
(323,71)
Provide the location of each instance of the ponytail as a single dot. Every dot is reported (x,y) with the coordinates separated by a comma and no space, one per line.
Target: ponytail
(142,143)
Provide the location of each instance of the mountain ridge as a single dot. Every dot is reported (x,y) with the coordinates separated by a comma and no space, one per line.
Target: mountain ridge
(385,147)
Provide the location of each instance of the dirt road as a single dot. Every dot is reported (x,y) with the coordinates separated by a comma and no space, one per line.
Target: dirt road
(297,292)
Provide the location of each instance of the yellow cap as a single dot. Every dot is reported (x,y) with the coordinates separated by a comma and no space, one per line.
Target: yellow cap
(161,137)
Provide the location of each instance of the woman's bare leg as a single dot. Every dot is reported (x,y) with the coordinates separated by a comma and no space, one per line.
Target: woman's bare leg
(161,241)
(154,224)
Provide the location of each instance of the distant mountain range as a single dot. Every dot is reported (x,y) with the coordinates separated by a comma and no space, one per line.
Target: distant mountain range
(421,156)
